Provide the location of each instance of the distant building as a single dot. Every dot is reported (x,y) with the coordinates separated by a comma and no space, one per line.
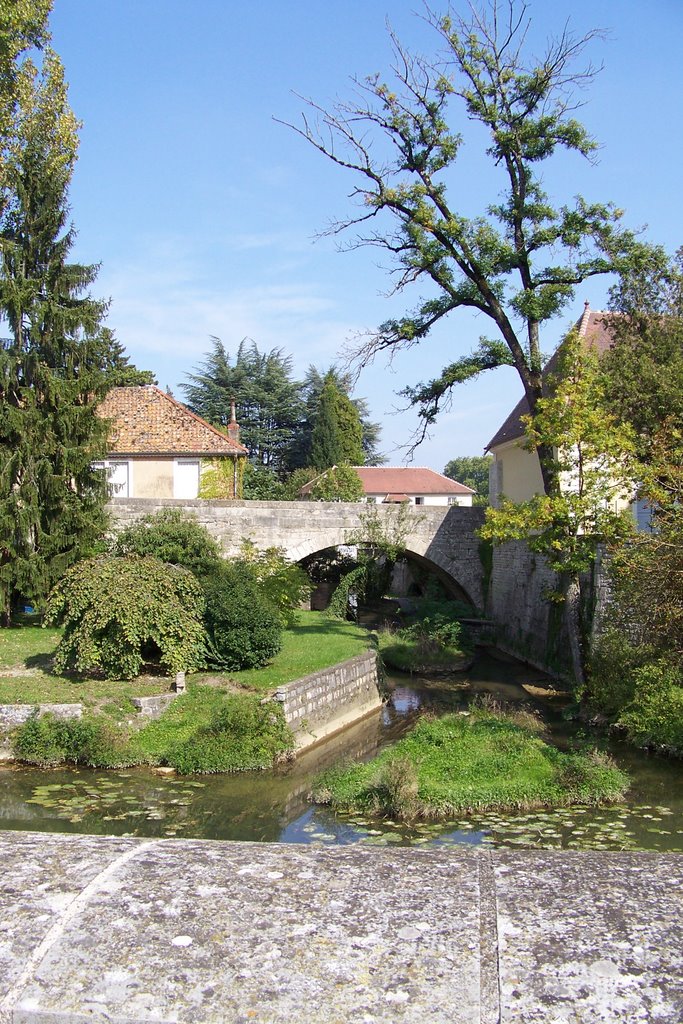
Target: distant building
(415,485)
(158,448)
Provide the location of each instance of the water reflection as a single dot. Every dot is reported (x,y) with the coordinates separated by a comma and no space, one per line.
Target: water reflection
(274,806)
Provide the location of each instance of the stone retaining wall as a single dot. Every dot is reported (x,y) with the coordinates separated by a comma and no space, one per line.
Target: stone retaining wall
(12,715)
(527,623)
(325,702)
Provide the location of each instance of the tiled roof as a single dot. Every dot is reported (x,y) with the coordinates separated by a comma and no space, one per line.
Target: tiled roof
(402,480)
(593,326)
(147,421)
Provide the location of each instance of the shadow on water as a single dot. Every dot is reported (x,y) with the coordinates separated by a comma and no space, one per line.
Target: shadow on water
(274,806)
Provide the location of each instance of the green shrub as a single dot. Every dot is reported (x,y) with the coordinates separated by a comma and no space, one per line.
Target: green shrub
(284,584)
(655,716)
(120,612)
(244,733)
(244,630)
(171,536)
(48,741)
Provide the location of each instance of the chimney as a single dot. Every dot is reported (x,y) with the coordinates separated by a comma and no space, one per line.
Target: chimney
(233,426)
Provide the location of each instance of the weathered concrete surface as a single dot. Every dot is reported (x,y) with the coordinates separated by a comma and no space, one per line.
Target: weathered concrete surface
(126,930)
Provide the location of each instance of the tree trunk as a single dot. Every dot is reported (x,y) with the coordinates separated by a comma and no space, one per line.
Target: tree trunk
(571,589)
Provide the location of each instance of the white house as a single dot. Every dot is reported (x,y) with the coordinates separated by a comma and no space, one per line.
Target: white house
(415,485)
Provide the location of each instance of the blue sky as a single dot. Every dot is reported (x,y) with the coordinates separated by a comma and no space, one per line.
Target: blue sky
(203,210)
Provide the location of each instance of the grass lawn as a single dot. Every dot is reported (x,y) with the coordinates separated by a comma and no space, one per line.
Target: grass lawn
(457,764)
(216,727)
(315,642)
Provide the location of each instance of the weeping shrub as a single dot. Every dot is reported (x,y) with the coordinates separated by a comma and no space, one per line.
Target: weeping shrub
(244,630)
(119,613)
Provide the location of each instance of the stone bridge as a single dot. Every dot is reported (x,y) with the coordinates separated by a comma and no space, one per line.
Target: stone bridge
(442,538)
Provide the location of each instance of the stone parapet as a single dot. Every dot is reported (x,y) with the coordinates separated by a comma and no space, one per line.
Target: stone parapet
(176,931)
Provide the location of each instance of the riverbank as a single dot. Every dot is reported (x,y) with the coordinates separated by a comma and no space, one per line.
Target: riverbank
(220,724)
(473,761)
(272,934)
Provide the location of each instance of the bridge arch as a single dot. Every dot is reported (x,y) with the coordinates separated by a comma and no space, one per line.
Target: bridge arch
(444,537)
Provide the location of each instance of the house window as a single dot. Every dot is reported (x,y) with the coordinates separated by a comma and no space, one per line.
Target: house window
(186,478)
(419,500)
(118,477)
(643,515)
(452,500)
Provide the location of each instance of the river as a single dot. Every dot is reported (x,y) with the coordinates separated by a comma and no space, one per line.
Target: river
(273,806)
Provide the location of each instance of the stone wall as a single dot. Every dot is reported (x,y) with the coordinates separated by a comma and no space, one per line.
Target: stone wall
(325,702)
(442,538)
(527,623)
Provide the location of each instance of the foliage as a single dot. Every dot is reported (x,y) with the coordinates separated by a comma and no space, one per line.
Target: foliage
(518,262)
(47,741)
(643,368)
(472,471)
(268,402)
(244,733)
(221,479)
(57,357)
(244,629)
(353,583)
(655,716)
(461,763)
(173,536)
(283,583)
(261,484)
(338,483)
(592,457)
(337,432)
(119,612)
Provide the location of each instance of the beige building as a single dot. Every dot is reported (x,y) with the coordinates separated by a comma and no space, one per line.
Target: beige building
(159,449)
(516,473)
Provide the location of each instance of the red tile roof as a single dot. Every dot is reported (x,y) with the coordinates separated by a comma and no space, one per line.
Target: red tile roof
(402,480)
(147,421)
(594,327)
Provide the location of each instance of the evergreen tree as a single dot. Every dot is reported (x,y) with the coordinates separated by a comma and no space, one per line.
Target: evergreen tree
(359,454)
(268,404)
(53,364)
(326,446)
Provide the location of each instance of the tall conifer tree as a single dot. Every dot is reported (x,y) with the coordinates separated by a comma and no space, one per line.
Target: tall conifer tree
(54,361)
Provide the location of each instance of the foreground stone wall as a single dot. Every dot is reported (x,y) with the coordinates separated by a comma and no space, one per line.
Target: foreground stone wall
(106,928)
(325,702)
